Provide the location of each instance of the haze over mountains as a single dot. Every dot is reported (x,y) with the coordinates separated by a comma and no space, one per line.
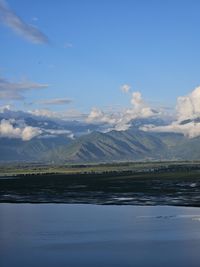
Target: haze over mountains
(62,141)
(136,133)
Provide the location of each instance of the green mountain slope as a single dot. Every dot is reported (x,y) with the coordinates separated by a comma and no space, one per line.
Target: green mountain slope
(127,145)
(132,145)
(188,149)
(33,150)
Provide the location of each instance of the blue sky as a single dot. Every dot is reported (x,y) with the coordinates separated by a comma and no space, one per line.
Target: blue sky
(96,46)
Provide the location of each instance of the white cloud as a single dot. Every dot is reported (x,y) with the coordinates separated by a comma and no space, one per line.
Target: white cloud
(140,108)
(53,132)
(125,88)
(188,108)
(13,90)
(70,114)
(121,121)
(43,113)
(137,100)
(97,115)
(26,133)
(56,101)
(29,132)
(190,129)
(10,19)
(12,128)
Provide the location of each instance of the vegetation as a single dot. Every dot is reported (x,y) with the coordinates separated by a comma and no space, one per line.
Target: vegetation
(141,183)
(118,168)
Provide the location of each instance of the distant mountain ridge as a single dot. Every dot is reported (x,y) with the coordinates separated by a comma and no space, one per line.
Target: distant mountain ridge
(130,145)
(90,145)
(115,145)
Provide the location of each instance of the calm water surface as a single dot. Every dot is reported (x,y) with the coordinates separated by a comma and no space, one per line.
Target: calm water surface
(89,235)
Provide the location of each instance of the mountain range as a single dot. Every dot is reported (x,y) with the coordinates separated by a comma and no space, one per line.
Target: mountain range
(88,144)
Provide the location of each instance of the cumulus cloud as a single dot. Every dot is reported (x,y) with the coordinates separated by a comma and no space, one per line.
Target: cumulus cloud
(188,110)
(97,115)
(137,100)
(13,128)
(10,130)
(125,88)
(56,101)
(188,107)
(140,108)
(14,90)
(131,114)
(14,22)
(121,121)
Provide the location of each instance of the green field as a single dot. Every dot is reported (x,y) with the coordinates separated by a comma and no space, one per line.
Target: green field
(116,167)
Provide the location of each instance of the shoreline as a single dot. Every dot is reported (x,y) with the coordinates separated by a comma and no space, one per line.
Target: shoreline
(174,187)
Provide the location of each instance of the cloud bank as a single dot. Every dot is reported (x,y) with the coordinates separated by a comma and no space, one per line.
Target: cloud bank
(186,121)
(15,23)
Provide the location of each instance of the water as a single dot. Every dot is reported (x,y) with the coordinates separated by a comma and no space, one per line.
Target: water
(89,235)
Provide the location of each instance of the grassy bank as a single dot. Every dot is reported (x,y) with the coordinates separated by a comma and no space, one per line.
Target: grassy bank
(105,168)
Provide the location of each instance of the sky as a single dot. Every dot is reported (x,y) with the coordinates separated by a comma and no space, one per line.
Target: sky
(76,56)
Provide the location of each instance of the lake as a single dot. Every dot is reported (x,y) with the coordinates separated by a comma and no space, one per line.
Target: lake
(74,235)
